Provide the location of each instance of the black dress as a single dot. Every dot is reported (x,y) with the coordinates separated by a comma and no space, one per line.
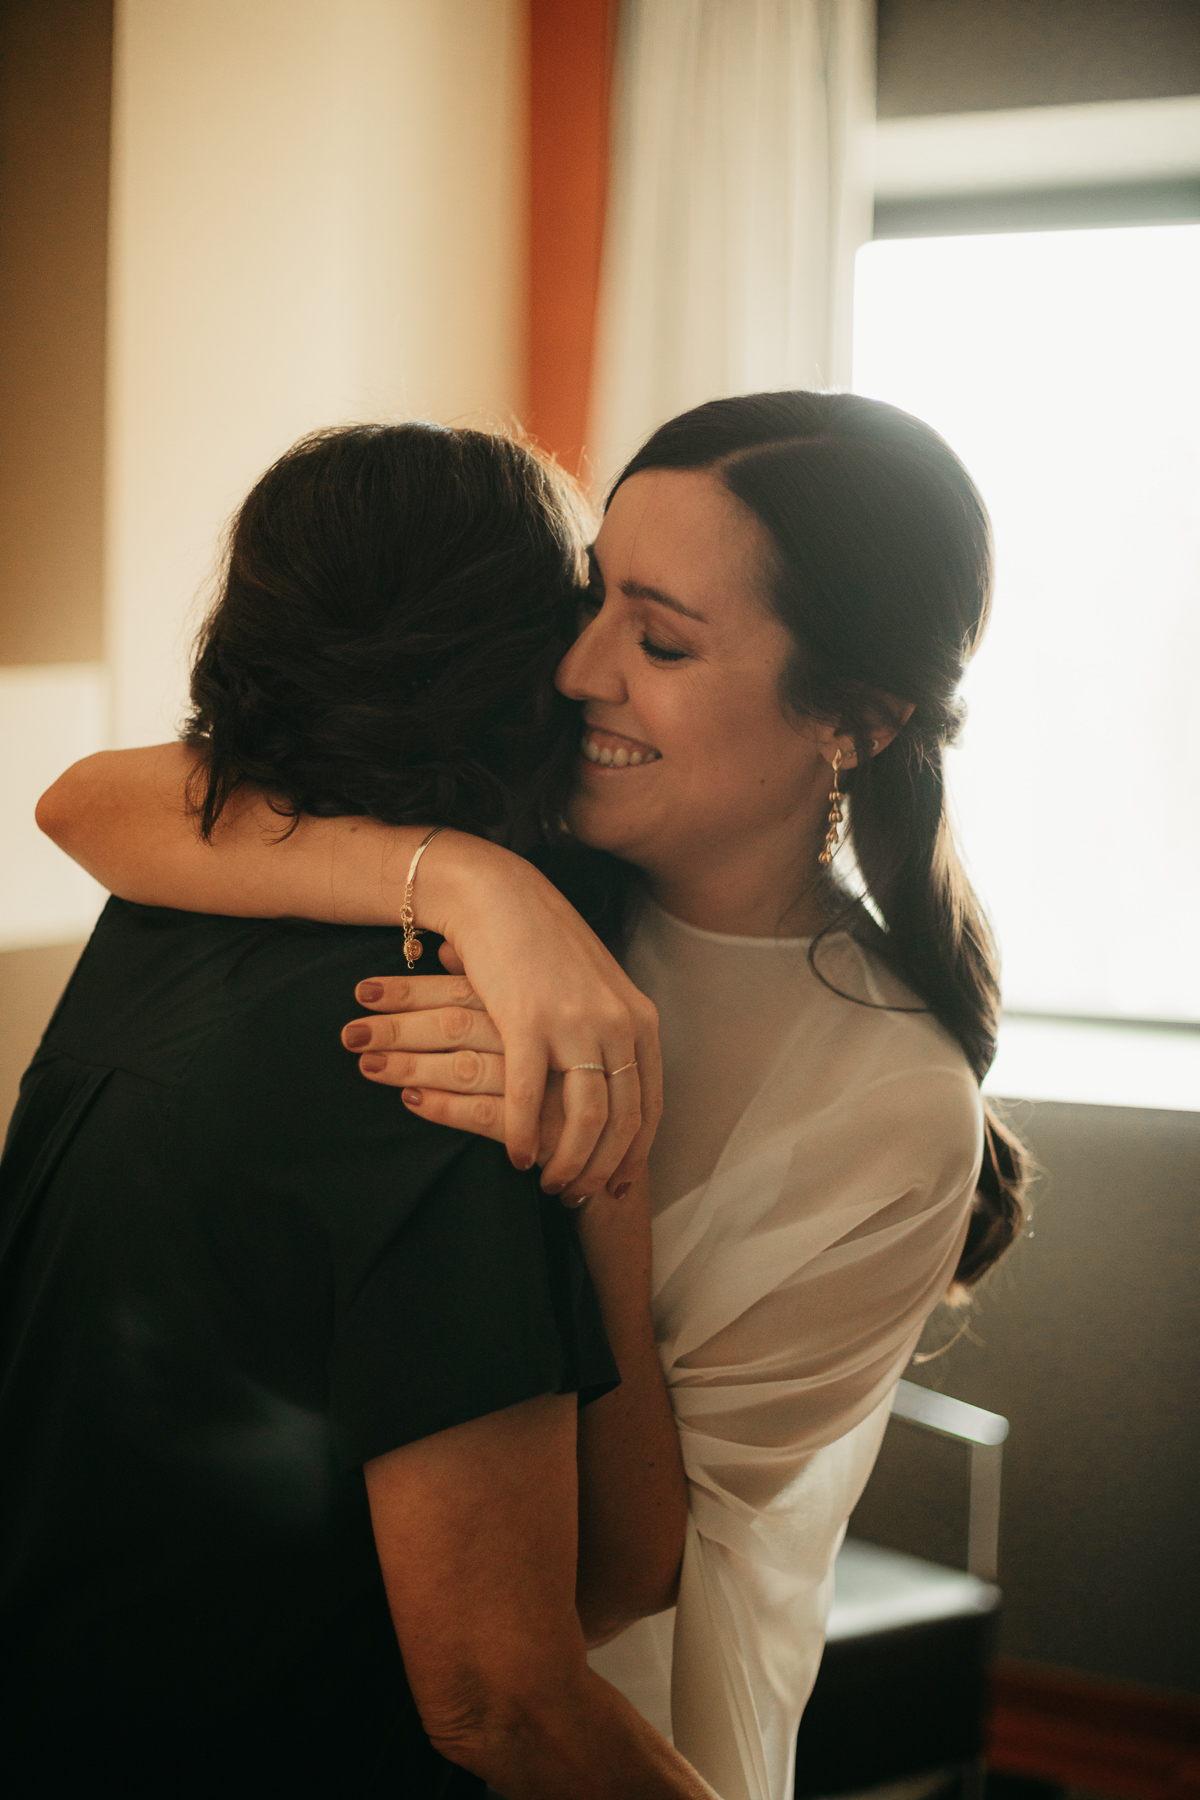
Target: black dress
(232,1270)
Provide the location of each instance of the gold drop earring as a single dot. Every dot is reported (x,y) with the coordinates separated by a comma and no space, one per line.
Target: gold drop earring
(835,815)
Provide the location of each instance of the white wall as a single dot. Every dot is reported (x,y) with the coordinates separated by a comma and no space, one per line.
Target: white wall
(317,215)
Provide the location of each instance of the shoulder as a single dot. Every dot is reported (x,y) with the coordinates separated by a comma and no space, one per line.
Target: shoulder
(270,1100)
(273,1134)
(151,985)
(277,1044)
(154,984)
(856,1001)
(897,1083)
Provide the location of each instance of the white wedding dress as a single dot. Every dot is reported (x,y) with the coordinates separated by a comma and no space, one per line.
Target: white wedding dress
(812,1180)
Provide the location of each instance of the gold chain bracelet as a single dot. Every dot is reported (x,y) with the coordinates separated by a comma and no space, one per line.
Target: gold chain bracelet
(412,938)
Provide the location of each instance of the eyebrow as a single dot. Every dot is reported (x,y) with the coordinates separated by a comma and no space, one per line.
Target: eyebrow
(636,590)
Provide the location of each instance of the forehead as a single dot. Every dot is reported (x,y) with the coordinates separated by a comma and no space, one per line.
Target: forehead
(682,531)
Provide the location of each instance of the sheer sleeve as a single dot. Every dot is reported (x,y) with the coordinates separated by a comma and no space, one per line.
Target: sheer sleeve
(792,1288)
(860,1242)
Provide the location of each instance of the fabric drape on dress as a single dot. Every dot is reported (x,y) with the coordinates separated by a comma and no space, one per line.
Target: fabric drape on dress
(739,192)
(791,1287)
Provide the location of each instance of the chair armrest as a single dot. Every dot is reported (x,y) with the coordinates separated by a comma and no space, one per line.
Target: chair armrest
(949,1418)
(985,1432)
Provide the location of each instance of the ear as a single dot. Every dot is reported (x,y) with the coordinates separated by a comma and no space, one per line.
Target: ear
(886,720)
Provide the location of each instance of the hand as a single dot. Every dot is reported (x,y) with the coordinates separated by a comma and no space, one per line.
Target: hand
(557,998)
(408,1045)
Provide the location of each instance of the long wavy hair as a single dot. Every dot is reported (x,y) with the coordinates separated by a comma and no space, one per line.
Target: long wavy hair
(882,575)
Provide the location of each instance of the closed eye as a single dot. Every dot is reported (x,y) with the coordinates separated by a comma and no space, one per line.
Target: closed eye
(659,653)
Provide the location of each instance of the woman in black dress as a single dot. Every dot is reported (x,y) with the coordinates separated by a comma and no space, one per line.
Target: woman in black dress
(288,1377)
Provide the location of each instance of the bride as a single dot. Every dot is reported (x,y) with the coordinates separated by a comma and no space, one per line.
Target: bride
(784,593)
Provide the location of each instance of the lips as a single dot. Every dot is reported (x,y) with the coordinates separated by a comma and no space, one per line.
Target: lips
(612,750)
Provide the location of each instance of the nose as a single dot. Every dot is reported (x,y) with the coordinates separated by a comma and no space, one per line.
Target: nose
(591,669)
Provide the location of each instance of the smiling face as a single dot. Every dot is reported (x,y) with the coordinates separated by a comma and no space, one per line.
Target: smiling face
(690,768)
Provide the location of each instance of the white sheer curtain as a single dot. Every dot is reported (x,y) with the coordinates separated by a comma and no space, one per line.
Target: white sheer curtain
(740,192)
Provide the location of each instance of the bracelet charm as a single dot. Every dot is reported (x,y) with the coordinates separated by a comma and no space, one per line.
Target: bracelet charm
(413,946)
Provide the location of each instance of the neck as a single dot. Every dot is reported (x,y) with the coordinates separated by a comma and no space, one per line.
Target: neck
(750,892)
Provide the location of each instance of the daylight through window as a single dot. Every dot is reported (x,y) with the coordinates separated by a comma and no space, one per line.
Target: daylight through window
(1064,367)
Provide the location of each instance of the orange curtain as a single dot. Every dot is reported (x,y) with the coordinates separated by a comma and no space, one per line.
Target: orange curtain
(570,67)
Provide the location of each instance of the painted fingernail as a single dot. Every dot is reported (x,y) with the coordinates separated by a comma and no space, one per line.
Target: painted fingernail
(554,1187)
(367,991)
(412,1096)
(355,1036)
(372,1065)
(621,1189)
(577,1201)
(521,1162)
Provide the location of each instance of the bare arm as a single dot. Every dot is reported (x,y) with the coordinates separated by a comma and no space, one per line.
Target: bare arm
(633,1502)
(123,815)
(633,1493)
(475,1530)
(557,997)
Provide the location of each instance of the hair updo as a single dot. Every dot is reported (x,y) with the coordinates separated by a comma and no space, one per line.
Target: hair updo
(882,575)
(394,603)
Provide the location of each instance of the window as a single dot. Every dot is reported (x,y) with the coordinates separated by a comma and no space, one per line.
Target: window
(1064,368)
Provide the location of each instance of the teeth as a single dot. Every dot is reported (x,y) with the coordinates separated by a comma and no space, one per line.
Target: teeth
(616,759)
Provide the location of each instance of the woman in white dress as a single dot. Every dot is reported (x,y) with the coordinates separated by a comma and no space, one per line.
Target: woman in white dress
(785,592)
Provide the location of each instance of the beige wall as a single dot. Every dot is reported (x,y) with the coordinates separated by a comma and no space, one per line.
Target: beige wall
(317,215)
(55,87)
(54,120)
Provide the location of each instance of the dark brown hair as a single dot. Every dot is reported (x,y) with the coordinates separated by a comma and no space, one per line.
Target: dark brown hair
(395,600)
(882,574)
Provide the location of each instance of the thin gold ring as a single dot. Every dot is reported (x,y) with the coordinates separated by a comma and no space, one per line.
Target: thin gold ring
(574,1066)
(629,1065)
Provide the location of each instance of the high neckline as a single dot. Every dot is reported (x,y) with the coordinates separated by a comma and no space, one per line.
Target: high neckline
(724,937)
